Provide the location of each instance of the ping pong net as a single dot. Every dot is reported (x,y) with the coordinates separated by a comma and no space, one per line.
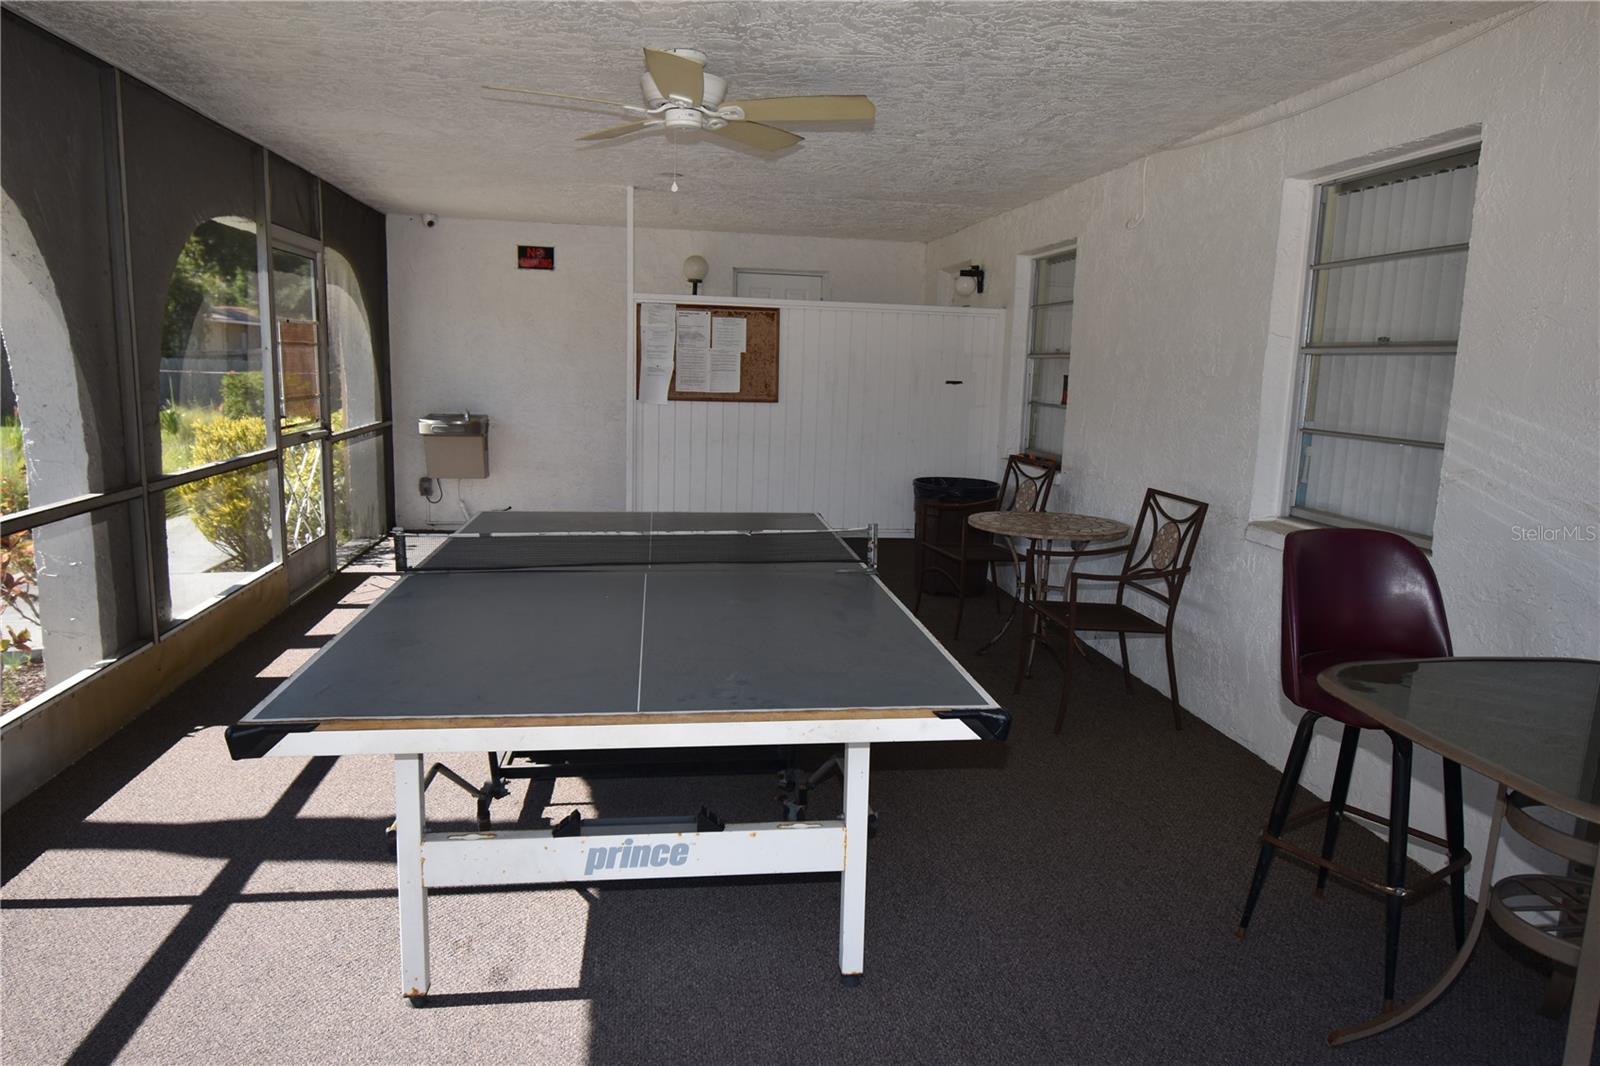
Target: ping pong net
(578,549)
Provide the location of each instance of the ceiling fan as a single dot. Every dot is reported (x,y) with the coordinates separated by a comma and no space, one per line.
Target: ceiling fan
(680,94)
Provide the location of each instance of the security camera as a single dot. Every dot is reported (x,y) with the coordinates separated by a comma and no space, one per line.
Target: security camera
(430,220)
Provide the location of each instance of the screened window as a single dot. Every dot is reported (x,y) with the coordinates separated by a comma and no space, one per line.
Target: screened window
(218,538)
(62,427)
(1378,355)
(352,359)
(1049,353)
(70,599)
(359,500)
(193,193)
(135,234)
(294,197)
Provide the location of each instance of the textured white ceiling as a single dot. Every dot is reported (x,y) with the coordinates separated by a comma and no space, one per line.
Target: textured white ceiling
(981,106)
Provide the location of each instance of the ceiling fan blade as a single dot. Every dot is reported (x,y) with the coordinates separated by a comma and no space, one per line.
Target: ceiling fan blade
(615,131)
(757,135)
(676,76)
(806,108)
(563,96)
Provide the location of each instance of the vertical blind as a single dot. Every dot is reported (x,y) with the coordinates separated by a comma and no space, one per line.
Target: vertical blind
(1049,352)
(1379,350)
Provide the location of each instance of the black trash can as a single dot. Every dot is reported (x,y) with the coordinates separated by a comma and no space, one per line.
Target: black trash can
(949,490)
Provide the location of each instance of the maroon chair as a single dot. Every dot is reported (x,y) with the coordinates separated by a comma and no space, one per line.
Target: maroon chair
(1351,595)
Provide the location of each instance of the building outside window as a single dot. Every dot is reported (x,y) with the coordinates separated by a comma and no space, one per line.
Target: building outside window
(1049,360)
(1377,357)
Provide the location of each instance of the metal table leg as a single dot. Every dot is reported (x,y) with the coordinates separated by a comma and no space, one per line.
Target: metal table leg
(1389,1019)
(1585,993)
(1072,568)
(1017,593)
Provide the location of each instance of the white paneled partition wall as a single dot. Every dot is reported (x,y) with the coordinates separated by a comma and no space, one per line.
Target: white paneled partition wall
(870,396)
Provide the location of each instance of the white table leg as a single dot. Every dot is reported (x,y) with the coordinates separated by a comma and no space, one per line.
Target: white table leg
(410,816)
(853,881)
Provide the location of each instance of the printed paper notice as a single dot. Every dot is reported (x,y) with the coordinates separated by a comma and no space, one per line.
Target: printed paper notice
(728,333)
(723,368)
(656,336)
(694,369)
(694,351)
(694,330)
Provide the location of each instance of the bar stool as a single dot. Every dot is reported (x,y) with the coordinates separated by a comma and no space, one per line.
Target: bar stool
(1351,595)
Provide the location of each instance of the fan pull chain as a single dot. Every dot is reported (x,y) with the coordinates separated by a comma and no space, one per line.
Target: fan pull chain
(674,160)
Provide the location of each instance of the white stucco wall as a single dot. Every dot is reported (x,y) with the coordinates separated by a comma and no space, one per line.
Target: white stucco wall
(543,353)
(1180,364)
(1187,305)
(885,272)
(540,352)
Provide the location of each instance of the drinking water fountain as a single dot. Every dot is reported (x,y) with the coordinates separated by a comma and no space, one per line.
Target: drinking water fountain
(455,444)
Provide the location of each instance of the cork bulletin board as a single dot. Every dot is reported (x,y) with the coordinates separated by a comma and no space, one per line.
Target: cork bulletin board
(758,366)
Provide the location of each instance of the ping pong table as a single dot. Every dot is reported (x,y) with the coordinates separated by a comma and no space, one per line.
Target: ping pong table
(617,632)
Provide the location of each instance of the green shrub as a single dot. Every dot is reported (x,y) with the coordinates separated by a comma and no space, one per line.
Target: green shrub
(177,423)
(19,592)
(232,511)
(13,470)
(242,394)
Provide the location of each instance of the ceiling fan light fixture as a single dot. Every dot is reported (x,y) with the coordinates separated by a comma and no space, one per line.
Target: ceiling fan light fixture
(683,118)
(680,94)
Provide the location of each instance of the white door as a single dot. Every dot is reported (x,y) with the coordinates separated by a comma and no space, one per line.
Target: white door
(765,285)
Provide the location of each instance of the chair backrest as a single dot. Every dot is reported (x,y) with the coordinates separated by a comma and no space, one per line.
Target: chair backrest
(1162,545)
(1027,482)
(1362,592)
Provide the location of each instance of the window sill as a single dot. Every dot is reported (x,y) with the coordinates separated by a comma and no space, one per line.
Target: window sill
(1269,532)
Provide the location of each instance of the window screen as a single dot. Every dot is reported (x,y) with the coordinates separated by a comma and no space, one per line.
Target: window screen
(294,197)
(1378,355)
(1049,353)
(62,430)
(194,196)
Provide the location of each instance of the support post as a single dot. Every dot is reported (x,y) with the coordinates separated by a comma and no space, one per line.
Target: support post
(853,881)
(409,817)
(1585,990)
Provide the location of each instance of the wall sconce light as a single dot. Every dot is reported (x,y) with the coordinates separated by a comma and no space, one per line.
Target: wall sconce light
(969,281)
(694,271)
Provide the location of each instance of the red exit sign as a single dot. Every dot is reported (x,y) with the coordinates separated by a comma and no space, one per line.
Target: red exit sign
(535,257)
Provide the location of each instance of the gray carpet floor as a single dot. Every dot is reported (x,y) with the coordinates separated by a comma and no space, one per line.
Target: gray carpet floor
(1052,899)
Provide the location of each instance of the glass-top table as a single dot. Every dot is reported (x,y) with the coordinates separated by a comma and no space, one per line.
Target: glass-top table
(1530,725)
(1533,724)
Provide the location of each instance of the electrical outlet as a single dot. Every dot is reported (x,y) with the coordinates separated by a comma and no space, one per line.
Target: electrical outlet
(424,486)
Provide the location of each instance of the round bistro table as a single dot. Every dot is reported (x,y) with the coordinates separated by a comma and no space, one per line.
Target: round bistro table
(1078,530)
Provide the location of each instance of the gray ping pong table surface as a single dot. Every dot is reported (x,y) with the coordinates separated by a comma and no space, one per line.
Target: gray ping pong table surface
(678,640)
(622,635)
